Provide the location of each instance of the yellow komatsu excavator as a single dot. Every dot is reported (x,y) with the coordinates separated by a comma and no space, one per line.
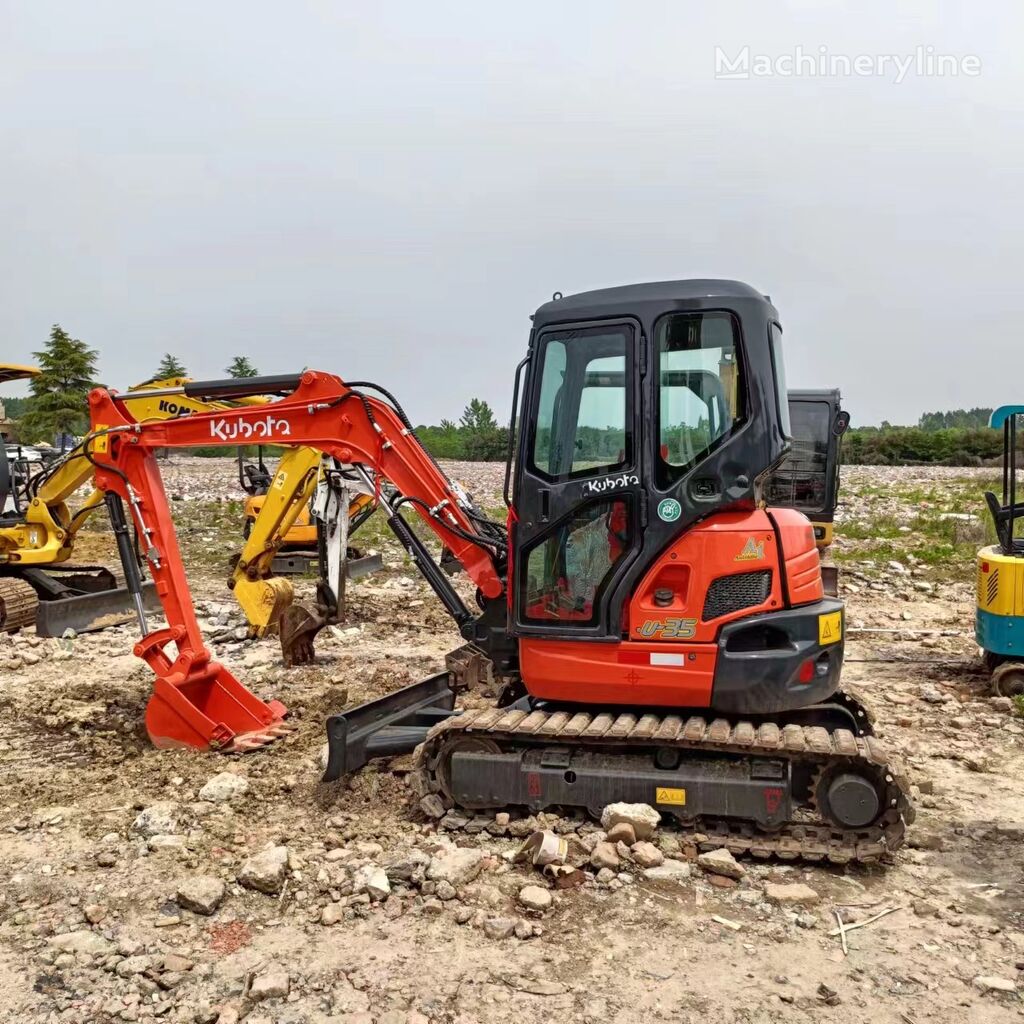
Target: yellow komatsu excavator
(38,584)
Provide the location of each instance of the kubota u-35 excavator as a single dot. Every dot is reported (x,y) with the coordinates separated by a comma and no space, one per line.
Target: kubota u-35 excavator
(662,636)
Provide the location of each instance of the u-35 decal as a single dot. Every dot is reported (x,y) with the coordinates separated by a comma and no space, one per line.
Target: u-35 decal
(668,629)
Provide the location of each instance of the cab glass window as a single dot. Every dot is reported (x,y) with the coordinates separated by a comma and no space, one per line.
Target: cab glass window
(567,571)
(701,388)
(801,481)
(781,395)
(584,406)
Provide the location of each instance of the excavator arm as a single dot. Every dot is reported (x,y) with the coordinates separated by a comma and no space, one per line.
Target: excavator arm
(197,702)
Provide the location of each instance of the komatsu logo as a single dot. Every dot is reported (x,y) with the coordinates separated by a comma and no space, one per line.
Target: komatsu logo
(232,430)
(174,409)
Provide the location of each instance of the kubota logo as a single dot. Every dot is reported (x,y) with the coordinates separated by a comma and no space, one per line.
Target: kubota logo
(231,430)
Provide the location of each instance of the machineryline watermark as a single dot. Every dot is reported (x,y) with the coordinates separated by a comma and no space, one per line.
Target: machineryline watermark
(922,62)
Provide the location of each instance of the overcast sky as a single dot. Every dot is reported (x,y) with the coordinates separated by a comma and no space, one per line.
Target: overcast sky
(387,191)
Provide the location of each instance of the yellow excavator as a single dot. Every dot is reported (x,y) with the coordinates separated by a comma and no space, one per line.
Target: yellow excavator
(38,584)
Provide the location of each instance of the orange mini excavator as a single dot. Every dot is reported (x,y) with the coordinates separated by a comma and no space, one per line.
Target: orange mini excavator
(660,635)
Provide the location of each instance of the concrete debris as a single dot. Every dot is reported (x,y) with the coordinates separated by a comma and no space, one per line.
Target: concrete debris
(266,871)
(721,862)
(201,894)
(456,865)
(533,897)
(791,894)
(159,819)
(642,817)
(224,787)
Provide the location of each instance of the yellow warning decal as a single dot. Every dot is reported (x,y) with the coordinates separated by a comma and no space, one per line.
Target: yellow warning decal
(100,444)
(665,795)
(830,628)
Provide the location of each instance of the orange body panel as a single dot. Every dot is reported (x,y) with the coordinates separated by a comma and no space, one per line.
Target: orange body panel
(642,674)
(726,544)
(800,556)
(669,657)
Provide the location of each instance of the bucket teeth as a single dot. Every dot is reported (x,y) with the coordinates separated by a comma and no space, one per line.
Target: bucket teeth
(254,740)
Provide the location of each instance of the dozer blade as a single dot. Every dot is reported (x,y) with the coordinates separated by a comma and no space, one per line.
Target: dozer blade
(211,710)
(89,612)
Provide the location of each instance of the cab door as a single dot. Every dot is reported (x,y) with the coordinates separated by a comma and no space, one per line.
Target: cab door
(578,495)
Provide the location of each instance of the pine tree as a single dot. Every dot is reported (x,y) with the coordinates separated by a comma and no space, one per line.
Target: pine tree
(241,367)
(170,366)
(478,416)
(482,439)
(58,405)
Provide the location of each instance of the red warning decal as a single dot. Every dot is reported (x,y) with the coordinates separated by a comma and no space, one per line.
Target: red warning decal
(773,798)
(533,783)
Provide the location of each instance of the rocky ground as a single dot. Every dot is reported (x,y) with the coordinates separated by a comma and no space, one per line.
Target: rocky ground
(143,884)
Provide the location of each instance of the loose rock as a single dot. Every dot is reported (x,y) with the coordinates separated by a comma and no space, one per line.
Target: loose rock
(642,817)
(605,855)
(456,865)
(159,819)
(534,897)
(202,894)
(266,871)
(224,787)
(271,985)
(790,894)
(721,862)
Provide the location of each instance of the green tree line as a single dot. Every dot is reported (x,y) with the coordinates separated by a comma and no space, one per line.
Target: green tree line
(57,408)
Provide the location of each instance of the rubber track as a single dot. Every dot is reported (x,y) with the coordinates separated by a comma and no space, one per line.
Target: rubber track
(811,840)
(18,604)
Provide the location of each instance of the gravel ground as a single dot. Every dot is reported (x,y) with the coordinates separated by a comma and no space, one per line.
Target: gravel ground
(139,884)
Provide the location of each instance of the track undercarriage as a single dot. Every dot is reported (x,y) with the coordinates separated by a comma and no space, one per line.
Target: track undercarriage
(816,786)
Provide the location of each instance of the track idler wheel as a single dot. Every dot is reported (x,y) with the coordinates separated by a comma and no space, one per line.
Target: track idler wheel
(848,799)
(1008,679)
(461,744)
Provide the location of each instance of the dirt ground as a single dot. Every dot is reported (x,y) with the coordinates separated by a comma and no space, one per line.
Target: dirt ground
(99,831)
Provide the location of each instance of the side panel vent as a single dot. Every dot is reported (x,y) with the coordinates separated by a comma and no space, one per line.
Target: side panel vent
(730,594)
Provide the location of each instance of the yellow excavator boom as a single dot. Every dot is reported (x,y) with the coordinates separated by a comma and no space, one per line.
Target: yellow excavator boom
(44,534)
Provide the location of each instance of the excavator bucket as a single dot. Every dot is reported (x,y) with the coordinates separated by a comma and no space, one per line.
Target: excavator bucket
(199,703)
(212,710)
(299,628)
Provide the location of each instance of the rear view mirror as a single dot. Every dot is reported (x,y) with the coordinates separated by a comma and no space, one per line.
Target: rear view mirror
(842,422)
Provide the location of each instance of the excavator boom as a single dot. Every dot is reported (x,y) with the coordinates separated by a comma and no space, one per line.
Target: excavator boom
(197,702)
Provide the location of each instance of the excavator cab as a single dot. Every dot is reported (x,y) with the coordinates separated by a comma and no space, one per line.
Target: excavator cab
(646,409)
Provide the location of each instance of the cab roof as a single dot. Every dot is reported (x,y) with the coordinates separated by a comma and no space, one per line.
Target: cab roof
(655,296)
